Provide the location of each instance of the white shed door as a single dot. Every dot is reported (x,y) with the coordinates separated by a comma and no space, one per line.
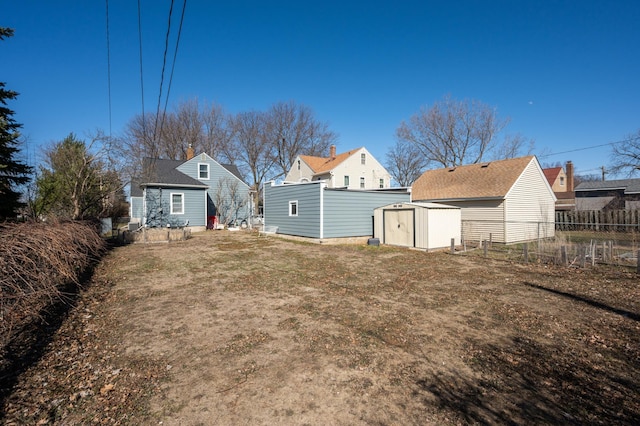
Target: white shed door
(398,227)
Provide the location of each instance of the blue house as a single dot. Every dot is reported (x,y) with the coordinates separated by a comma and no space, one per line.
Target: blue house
(188,193)
(314,210)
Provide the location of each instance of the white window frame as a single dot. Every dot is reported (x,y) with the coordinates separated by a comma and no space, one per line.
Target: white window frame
(291,208)
(173,211)
(363,158)
(199,171)
(346,181)
(362,183)
(381,183)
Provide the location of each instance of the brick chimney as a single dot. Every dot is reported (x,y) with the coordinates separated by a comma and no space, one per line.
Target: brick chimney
(332,152)
(569,172)
(190,152)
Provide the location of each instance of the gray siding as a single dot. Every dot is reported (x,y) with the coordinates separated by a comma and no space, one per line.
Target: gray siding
(159,207)
(228,194)
(324,213)
(136,209)
(276,209)
(350,213)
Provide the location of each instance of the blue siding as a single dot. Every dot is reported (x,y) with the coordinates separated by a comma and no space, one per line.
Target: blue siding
(350,213)
(276,209)
(228,195)
(159,207)
(345,213)
(136,208)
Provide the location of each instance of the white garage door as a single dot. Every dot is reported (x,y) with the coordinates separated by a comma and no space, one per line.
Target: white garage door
(398,227)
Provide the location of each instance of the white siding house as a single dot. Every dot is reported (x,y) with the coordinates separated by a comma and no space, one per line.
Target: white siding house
(355,169)
(507,201)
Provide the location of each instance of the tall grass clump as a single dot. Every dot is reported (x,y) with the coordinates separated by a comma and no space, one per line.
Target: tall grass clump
(37,260)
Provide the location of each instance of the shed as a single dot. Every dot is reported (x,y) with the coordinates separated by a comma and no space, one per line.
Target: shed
(428,226)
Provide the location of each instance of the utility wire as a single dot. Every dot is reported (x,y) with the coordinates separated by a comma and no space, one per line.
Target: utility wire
(108,67)
(164,63)
(588,147)
(144,128)
(173,66)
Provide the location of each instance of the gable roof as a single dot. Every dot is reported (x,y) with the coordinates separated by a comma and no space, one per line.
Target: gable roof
(165,172)
(233,169)
(324,164)
(482,180)
(552,174)
(630,186)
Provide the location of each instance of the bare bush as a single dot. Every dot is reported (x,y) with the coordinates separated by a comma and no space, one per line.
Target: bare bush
(36,260)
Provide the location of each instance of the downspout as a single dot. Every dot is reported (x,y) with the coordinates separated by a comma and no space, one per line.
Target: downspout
(322,186)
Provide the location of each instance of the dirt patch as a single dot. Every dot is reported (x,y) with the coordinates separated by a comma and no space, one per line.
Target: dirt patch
(233,328)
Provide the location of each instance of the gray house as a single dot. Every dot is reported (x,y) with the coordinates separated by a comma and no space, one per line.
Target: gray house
(623,194)
(195,193)
(313,210)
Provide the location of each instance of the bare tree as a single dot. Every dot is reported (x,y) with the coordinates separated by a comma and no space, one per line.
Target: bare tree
(405,162)
(217,133)
(626,155)
(453,133)
(254,152)
(294,130)
(229,200)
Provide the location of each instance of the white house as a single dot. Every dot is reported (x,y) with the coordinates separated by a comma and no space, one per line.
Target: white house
(507,201)
(355,169)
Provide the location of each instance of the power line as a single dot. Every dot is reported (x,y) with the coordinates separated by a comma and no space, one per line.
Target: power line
(164,63)
(173,65)
(144,128)
(588,147)
(108,66)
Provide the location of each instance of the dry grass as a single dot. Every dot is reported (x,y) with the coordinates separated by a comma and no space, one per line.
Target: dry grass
(36,260)
(232,328)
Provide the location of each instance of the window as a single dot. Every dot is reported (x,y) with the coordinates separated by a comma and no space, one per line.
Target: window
(363,158)
(381,183)
(203,171)
(293,208)
(298,164)
(561,180)
(362,182)
(346,181)
(177,203)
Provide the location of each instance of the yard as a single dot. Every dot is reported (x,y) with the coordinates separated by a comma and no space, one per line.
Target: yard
(232,328)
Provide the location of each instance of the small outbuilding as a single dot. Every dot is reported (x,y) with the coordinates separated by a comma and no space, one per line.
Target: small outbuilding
(427,226)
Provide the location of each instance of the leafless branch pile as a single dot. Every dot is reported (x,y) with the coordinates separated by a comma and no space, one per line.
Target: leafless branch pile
(36,260)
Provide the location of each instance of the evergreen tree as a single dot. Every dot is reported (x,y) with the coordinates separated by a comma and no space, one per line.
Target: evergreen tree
(12,172)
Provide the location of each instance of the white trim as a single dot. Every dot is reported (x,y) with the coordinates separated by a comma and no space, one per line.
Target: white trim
(291,204)
(181,194)
(208,171)
(322,187)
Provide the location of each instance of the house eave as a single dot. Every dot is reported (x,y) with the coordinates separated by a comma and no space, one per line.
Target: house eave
(173,185)
(450,200)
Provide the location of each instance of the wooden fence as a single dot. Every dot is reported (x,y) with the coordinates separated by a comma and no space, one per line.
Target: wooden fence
(598,220)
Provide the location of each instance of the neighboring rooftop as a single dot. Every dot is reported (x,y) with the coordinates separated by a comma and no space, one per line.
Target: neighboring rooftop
(630,186)
(482,180)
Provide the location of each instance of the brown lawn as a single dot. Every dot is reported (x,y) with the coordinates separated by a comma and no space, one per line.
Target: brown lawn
(232,328)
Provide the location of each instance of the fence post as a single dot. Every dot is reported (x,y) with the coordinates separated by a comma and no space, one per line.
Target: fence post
(453,246)
(485,247)
(638,260)
(563,254)
(526,252)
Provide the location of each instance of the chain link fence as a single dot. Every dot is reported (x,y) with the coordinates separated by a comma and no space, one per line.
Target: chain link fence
(572,243)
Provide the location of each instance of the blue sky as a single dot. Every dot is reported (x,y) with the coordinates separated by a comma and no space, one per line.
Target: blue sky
(567,73)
